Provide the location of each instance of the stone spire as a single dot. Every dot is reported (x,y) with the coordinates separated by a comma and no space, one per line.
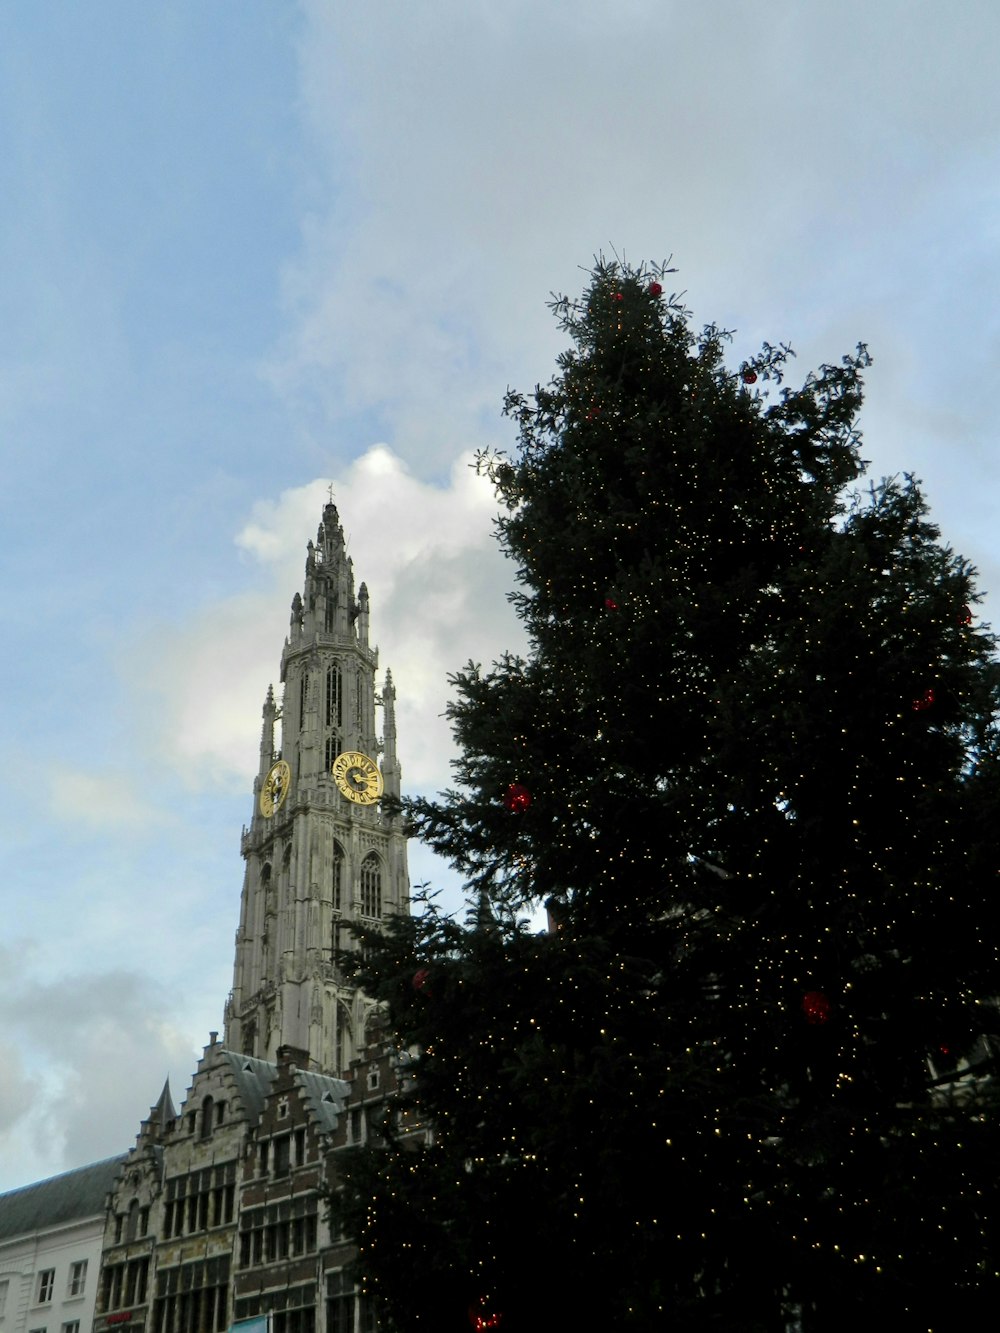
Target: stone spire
(317,858)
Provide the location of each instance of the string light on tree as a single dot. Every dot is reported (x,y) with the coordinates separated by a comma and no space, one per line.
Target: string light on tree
(483,1315)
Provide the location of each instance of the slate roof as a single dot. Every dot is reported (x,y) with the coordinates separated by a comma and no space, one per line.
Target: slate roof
(67,1198)
(253,1078)
(326,1096)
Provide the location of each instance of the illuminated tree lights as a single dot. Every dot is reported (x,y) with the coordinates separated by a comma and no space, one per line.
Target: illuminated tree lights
(763,815)
(517,798)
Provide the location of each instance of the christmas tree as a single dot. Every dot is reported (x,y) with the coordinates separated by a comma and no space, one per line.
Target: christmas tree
(750,763)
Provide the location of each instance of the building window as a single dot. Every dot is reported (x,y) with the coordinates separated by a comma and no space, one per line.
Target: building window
(282,1155)
(46,1284)
(4,1285)
(77,1278)
(334,702)
(337,874)
(72,1326)
(220,1113)
(206,1117)
(132,1223)
(303,697)
(371,886)
(193,1296)
(332,750)
(339,1304)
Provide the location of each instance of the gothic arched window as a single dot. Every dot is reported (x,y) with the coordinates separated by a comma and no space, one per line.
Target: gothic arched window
(337,875)
(371,886)
(303,697)
(332,750)
(334,700)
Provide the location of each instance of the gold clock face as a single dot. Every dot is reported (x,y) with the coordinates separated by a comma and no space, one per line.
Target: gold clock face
(275,788)
(358,777)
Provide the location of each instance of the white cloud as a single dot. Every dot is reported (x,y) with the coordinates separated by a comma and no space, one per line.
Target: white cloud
(99,800)
(87,1056)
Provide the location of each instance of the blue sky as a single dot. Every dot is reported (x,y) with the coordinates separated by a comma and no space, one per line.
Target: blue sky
(250,249)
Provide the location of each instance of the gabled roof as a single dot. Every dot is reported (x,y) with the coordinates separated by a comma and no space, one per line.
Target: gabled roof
(326,1097)
(71,1197)
(253,1080)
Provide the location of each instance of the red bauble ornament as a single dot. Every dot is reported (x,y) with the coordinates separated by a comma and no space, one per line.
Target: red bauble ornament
(421,981)
(610,604)
(482,1315)
(618,297)
(655,289)
(816,1006)
(517,798)
(749,377)
(924,701)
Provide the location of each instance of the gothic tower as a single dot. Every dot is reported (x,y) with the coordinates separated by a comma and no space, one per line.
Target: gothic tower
(320,851)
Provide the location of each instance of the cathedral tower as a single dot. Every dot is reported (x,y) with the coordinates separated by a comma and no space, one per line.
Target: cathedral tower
(320,851)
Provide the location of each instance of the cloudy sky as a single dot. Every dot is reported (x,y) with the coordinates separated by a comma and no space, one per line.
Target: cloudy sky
(249,249)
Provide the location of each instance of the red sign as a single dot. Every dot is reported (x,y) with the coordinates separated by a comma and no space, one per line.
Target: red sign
(122,1317)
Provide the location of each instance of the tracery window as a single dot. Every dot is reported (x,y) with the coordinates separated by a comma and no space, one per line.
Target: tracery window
(371,886)
(337,875)
(334,699)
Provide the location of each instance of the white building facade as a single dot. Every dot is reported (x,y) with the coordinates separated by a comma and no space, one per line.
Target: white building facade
(51,1234)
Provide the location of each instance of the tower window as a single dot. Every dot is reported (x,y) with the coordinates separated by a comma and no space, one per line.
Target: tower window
(303,696)
(337,875)
(371,886)
(332,749)
(334,701)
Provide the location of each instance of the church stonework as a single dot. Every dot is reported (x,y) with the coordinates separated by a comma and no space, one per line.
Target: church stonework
(317,860)
(218,1213)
